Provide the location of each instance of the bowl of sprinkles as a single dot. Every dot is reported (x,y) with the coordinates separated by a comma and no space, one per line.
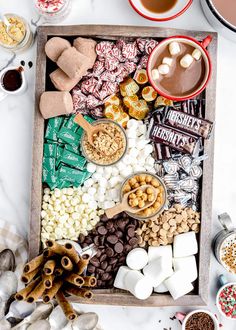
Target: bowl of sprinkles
(226,300)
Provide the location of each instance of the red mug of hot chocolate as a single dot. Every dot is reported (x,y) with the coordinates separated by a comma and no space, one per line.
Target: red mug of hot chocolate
(179,67)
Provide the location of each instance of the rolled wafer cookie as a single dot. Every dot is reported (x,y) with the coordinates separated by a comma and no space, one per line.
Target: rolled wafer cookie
(48,280)
(47,253)
(66,306)
(71,253)
(75,279)
(33,264)
(56,248)
(49,294)
(58,271)
(49,267)
(79,292)
(66,263)
(22,294)
(82,264)
(27,277)
(89,281)
(36,293)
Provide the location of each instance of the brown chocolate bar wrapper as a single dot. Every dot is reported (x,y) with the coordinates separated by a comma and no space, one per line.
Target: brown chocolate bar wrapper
(71,253)
(27,277)
(36,292)
(22,294)
(33,264)
(48,280)
(188,123)
(82,264)
(66,263)
(90,281)
(79,292)
(49,267)
(50,293)
(173,138)
(75,279)
(66,306)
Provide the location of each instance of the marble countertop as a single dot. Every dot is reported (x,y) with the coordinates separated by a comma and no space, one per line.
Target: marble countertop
(16,125)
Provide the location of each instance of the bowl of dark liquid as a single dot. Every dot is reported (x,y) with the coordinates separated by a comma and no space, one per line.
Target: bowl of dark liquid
(160,10)
(12,80)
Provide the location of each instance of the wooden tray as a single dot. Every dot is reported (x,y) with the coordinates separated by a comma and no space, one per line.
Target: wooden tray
(115,296)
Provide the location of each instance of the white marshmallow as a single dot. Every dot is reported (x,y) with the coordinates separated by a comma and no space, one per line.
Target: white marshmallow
(96,176)
(174,48)
(115,171)
(157,271)
(121,166)
(167,60)
(91,191)
(108,204)
(196,54)
(142,129)
(132,123)
(127,159)
(91,168)
(186,61)
(113,181)
(120,276)
(138,284)
(185,245)
(100,170)
(161,288)
(132,143)
(178,285)
(187,265)
(148,149)
(131,133)
(133,153)
(137,259)
(103,182)
(155,74)
(164,69)
(88,183)
(141,143)
(155,252)
(86,198)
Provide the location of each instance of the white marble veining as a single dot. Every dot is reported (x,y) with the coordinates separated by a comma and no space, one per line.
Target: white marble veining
(16,119)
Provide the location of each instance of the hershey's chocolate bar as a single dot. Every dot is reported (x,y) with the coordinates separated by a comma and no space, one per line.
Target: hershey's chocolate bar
(191,124)
(173,138)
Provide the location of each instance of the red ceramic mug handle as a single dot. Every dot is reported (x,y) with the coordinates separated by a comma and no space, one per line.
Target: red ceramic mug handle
(180,316)
(205,42)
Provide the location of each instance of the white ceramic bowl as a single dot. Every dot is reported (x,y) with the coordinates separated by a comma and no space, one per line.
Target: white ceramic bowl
(217,300)
(184,318)
(179,8)
(20,90)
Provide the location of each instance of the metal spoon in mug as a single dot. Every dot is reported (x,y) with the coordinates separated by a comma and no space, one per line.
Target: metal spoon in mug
(124,205)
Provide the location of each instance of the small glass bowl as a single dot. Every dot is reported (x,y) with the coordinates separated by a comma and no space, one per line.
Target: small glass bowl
(27,40)
(136,216)
(54,14)
(104,121)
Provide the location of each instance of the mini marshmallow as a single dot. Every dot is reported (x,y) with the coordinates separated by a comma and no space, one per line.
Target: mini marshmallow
(137,259)
(174,48)
(167,60)
(196,54)
(164,69)
(137,284)
(132,123)
(178,285)
(155,74)
(155,252)
(157,271)
(161,288)
(185,245)
(186,61)
(91,168)
(120,276)
(187,265)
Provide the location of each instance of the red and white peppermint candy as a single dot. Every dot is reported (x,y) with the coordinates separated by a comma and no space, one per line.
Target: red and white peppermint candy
(143,62)
(108,76)
(92,102)
(79,99)
(97,112)
(108,88)
(115,52)
(89,86)
(141,44)
(130,51)
(103,48)
(98,68)
(120,43)
(130,66)
(111,63)
(150,45)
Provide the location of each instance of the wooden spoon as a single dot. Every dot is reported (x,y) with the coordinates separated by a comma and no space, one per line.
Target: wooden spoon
(90,129)
(124,205)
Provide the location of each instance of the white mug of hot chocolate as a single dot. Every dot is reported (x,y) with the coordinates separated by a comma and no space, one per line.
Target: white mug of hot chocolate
(185,317)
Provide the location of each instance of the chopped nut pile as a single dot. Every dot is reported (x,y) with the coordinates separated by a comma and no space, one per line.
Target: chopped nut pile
(15,34)
(141,197)
(109,147)
(141,180)
(170,223)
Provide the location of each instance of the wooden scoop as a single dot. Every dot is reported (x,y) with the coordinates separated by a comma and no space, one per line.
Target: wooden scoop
(124,205)
(90,129)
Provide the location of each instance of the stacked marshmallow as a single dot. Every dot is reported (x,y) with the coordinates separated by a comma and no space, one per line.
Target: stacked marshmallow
(105,184)
(160,270)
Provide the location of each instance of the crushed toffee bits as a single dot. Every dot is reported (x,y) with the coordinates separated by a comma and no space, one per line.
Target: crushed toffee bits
(110,147)
(228,253)
(200,321)
(174,221)
(16,33)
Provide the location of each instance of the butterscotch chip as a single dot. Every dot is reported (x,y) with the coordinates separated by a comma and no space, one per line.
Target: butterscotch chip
(172,222)
(166,226)
(179,218)
(180,230)
(194,226)
(146,238)
(143,244)
(155,228)
(150,241)
(153,235)
(163,232)
(172,230)
(172,209)
(144,227)
(155,243)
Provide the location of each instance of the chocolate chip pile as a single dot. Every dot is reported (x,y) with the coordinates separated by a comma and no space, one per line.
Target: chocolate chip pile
(113,240)
(200,321)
